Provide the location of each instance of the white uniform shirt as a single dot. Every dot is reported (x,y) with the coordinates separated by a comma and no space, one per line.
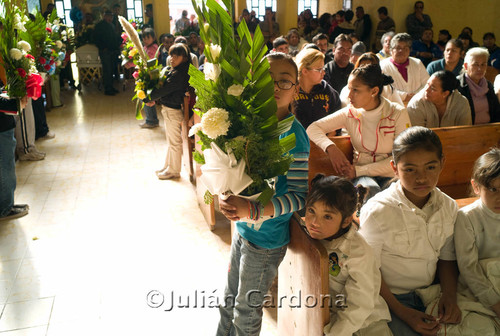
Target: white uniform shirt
(477,237)
(417,76)
(372,149)
(407,240)
(355,274)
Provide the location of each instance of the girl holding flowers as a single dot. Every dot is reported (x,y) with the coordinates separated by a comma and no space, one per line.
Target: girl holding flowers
(257,252)
(171,96)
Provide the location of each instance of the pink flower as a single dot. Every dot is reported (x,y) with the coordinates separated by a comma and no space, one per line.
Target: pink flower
(21,72)
(134,24)
(30,57)
(124,36)
(135,75)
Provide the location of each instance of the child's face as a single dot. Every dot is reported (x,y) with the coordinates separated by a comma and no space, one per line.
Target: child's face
(168,42)
(176,60)
(418,172)
(148,40)
(283,48)
(490,196)
(323,222)
(284,73)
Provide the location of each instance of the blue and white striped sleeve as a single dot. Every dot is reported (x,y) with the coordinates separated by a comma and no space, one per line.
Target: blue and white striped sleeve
(297,182)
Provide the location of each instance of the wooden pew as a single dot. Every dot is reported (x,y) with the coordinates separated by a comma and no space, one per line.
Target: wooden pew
(462,145)
(303,272)
(187,142)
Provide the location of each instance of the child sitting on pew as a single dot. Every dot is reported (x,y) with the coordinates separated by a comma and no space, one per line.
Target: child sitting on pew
(477,231)
(410,227)
(353,270)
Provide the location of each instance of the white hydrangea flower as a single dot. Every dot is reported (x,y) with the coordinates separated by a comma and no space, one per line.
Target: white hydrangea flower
(215,51)
(23,45)
(195,129)
(59,44)
(235,90)
(215,122)
(212,71)
(16,54)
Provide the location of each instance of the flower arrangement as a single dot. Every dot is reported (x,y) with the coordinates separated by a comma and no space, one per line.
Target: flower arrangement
(22,76)
(130,55)
(149,75)
(239,130)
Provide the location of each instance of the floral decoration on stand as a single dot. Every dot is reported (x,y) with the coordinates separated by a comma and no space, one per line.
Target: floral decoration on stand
(149,75)
(239,130)
(22,76)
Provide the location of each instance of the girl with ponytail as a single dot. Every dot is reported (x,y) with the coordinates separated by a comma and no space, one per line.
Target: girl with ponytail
(372,121)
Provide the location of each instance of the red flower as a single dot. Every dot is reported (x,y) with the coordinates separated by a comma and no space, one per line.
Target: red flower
(134,24)
(46,67)
(51,62)
(42,60)
(21,72)
(48,29)
(30,57)
(34,86)
(130,57)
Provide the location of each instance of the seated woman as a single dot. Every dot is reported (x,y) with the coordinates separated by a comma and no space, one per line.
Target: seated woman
(316,98)
(439,104)
(386,45)
(388,92)
(295,42)
(373,123)
(409,73)
(452,60)
(483,102)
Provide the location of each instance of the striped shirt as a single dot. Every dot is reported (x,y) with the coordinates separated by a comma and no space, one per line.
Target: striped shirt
(290,195)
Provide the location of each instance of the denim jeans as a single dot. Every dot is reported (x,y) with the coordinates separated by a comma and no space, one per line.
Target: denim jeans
(398,326)
(251,273)
(151,116)
(375,184)
(7,171)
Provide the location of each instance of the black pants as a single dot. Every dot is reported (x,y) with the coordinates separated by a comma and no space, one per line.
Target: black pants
(108,63)
(41,127)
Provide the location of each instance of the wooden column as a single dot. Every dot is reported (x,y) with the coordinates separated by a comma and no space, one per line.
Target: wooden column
(286,15)
(161,15)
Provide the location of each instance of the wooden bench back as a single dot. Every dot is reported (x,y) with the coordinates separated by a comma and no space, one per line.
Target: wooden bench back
(303,275)
(462,145)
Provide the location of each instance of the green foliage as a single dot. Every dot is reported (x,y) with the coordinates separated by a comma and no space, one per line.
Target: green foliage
(255,130)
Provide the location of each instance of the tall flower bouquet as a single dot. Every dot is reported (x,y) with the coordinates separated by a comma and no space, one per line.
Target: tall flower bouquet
(22,76)
(130,55)
(239,129)
(149,75)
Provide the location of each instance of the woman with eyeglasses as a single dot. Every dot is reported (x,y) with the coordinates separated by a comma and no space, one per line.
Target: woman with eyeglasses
(372,121)
(316,98)
(409,73)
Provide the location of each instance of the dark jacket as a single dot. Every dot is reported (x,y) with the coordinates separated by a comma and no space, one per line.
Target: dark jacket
(337,77)
(105,36)
(320,102)
(490,96)
(7,106)
(171,94)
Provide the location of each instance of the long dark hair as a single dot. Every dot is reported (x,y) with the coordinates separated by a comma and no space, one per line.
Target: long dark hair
(413,138)
(371,75)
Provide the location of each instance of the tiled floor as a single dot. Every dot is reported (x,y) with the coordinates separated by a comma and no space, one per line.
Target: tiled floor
(103,232)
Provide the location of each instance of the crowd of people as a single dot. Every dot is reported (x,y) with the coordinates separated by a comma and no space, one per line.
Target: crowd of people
(386,95)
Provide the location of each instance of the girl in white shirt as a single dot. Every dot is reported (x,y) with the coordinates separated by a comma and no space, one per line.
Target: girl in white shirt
(410,228)
(373,123)
(353,271)
(477,230)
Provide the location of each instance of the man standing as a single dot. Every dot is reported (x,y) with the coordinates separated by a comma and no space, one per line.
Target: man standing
(385,25)
(363,26)
(9,210)
(337,71)
(149,14)
(182,23)
(108,43)
(418,21)
(269,27)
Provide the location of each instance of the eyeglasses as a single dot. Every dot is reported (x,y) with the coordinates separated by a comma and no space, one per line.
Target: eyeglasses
(320,70)
(401,49)
(284,84)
